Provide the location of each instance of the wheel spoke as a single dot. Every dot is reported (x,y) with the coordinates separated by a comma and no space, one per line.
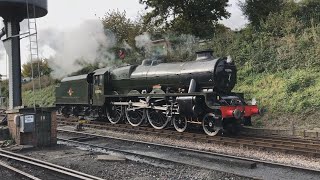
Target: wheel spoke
(135,117)
(180,123)
(114,114)
(158,120)
(209,126)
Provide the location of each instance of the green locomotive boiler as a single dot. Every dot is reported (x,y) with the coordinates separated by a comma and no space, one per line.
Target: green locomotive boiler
(181,94)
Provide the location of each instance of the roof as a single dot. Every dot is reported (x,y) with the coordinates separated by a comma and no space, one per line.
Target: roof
(101,71)
(72,78)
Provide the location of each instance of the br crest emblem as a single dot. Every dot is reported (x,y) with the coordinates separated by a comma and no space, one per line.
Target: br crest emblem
(70,92)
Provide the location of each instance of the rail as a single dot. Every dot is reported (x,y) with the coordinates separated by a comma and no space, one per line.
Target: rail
(286,145)
(178,152)
(46,165)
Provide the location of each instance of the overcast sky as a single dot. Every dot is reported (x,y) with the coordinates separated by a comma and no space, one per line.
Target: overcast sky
(67,14)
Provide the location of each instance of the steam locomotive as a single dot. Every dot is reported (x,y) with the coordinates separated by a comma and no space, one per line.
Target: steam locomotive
(180,94)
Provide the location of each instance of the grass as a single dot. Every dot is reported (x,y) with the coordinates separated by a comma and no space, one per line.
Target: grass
(292,91)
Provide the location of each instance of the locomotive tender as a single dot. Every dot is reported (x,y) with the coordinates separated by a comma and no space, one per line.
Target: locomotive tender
(181,93)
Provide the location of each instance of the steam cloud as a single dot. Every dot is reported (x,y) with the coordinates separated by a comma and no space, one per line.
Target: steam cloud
(144,41)
(88,42)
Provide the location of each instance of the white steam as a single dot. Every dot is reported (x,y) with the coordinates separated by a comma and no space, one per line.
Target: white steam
(126,46)
(144,41)
(185,46)
(87,42)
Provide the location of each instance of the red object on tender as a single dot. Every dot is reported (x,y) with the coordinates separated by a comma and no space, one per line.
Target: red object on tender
(249,110)
(122,54)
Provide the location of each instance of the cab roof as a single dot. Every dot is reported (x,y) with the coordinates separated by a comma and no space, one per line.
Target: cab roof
(72,78)
(101,71)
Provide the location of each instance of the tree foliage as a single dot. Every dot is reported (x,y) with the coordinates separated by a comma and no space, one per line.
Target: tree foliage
(122,27)
(196,17)
(4,91)
(283,41)
(125,31)
(257,11)
(42,64)
(308,9)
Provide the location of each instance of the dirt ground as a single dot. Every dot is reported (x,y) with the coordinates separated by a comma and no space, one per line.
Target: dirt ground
(86,162)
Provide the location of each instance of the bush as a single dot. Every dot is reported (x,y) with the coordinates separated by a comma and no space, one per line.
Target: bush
(44,97)
(45,82)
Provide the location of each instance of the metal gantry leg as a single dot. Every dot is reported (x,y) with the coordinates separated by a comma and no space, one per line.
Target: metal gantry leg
(12,46)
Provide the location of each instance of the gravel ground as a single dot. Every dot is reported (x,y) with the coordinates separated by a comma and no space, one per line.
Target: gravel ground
(277,157)
(86,162)
(216,163)
(29,169)
(6,174)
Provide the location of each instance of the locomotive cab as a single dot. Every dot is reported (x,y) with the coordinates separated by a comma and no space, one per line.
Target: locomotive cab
(100,85)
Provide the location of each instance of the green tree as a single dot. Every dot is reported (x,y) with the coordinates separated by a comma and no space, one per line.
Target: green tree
(310,7)
(257,11)
(309,11)
(44,68)
(122,27)
(4,91)
(196,17)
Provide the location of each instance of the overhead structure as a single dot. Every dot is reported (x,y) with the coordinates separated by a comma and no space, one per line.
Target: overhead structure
(13,12)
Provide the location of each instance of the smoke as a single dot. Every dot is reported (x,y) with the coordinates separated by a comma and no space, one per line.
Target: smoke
(186,44)
(2,52)
(183,47)
(88,42)
(126,46)
(144,41)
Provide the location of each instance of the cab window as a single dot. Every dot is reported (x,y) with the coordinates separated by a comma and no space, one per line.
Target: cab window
(98,80)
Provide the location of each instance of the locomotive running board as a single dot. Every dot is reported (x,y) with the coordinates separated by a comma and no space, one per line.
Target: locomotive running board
(140,105)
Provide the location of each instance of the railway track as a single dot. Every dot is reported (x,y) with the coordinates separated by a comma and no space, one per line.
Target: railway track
(296,146)
(59,171)
(239,166)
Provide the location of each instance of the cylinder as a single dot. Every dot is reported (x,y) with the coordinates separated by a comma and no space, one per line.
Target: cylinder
(192,86)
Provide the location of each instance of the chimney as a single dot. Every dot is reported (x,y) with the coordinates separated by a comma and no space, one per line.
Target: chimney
(204,55)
